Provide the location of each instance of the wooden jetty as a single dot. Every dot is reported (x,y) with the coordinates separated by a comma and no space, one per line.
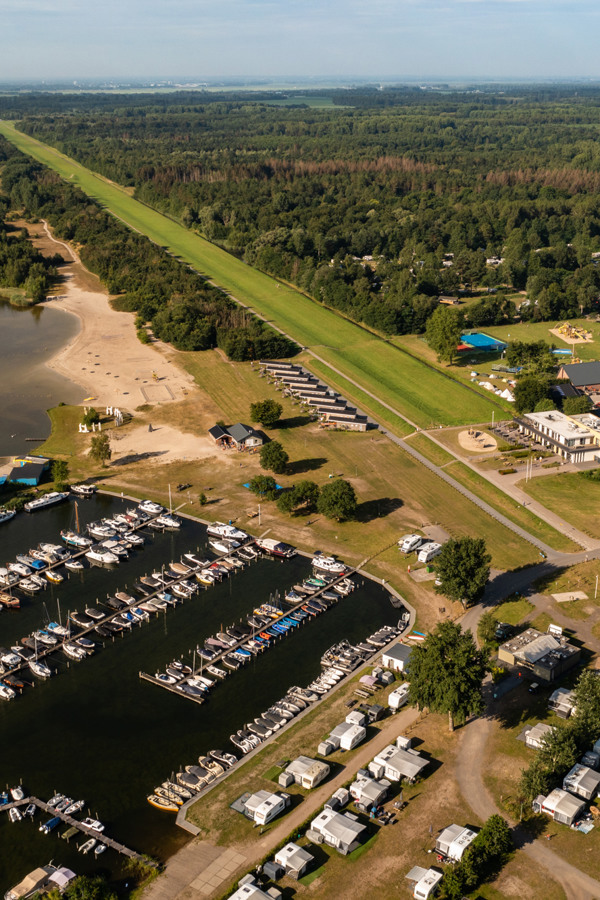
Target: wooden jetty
(79,826)
(199,670)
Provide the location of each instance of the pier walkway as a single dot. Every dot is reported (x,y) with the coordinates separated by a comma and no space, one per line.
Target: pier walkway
(75,823)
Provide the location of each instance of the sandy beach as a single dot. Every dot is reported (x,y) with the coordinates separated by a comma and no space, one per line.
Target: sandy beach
(111,364)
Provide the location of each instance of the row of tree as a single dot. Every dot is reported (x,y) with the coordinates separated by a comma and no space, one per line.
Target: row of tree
(334,500)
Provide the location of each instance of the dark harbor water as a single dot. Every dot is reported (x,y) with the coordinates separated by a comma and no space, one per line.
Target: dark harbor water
(28,339)
(96,731)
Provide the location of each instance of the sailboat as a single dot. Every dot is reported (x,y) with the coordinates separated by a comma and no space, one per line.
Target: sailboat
(38,666)
(74,538)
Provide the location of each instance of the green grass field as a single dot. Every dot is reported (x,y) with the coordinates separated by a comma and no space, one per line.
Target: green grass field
(569,495)
(416,391)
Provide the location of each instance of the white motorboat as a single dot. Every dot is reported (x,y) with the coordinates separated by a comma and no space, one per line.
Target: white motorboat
(136,540)
(101,557)
(219,529)
(93,825)
(57,629)
(328,564)
(6,692)
(89,845)
(168,520)
(29,586)
(114,545)
(17,793)
(48,499)
(74,652)
(74,807)
(219,546)
(101,531)
(275,548)
(73,565)
(15,814)
(148,506)
(19,569)
(7,579)
(84,490)
(7,514)
(9,658)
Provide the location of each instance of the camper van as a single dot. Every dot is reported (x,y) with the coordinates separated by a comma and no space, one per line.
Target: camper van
(410,542)
(429,551)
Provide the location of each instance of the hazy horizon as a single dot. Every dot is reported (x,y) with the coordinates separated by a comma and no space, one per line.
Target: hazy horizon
(485,40)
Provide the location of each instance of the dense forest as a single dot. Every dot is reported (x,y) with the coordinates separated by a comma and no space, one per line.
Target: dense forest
(21,265)
(375,206)
(182,307)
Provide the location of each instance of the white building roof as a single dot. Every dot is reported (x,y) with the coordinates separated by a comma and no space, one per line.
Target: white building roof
(560,425)
(249,891)
(537,648)
(406,763)
(292,856)
(338,826)
(581,778)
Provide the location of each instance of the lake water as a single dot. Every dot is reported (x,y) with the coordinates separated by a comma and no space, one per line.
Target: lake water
(97,731)
(28,339)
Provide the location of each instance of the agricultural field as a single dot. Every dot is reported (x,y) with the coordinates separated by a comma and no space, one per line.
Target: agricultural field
(420,393)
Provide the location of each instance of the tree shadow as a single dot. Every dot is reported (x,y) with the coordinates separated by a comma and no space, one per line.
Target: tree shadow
(293,422)
(137,457)
(376,509)
(299,466)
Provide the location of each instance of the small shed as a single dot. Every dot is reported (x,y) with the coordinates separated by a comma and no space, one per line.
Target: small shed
(397,657)
(453,841)
(582,781)
(338,800)
(249,891)
(356,717)
(562,806)
(294,859)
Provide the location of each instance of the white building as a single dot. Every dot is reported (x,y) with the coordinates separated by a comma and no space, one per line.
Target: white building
(307,772)
(582,781)
(346,736)
(535,736)
(264,806)
(294,859)
(426,881)
(453,841)
(562,806)
(395,763)
(369,792)
(397,657)
(562,702)
(339,830)
(575,438)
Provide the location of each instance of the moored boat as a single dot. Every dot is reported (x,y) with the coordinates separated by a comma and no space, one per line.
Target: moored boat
(48,499)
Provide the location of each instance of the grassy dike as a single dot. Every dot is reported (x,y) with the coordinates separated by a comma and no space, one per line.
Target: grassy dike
(417,391)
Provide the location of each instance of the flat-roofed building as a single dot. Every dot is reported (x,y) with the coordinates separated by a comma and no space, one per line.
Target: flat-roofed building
(575,438)
(545,655)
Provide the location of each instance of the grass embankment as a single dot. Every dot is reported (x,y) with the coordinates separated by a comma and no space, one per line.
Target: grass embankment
(513,611)
(493,495)
(421,393)
(570,495)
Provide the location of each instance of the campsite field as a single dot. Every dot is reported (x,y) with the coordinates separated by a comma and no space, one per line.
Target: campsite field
(421,393)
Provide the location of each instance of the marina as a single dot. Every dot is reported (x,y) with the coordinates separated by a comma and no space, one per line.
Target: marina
(102,717)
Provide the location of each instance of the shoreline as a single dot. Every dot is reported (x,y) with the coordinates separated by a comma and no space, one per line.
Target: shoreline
(106,359)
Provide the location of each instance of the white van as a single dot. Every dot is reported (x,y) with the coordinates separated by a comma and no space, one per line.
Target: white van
(398,697)
(410,542)
(429,551)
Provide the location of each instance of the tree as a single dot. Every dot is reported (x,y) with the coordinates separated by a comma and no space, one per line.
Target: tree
(267,412)
(486,629)
(443,332)
(573,406)
(586,696)
(202,498)
(545,405)
(274,457)
(446,672)
(100,448)
(303,495)
(264,486)
(91,417)
(463,567)
(60,473)
(529,390)
(337,500)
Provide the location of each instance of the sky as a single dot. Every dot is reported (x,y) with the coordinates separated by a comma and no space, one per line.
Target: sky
(381,39)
